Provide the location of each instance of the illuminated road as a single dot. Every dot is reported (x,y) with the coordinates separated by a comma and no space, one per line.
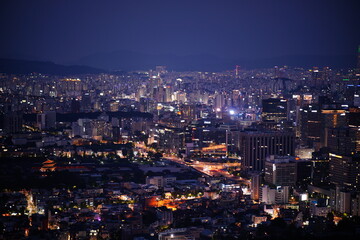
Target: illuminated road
(207,168)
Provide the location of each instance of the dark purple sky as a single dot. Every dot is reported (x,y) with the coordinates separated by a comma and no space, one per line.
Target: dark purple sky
(65,30)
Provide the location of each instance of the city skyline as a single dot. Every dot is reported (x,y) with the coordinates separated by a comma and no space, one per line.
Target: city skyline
(163,120)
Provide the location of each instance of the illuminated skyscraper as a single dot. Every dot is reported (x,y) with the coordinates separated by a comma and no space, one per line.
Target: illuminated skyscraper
(316,77)
(281,170)
(274,109)
(255,146)
(237,71)
(345,170)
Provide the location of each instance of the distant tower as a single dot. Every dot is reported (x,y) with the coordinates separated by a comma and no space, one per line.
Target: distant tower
(75,105)
(161,70)
(237,71)
(326,75)
(276,72)
(316,77)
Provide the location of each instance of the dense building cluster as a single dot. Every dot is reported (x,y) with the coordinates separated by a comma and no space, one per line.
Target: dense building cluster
(242,154)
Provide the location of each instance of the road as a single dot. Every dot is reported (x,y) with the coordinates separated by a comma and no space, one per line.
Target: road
(207,168)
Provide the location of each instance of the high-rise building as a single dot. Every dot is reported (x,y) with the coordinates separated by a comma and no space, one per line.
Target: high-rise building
(46,120)
(11,122)
(237,71)
(255,146)
(310,126)
(345,170)
(255,186)
(320,171)
(274,109)
(188,112)
(316,77)
(334,118)
(278,195)
(86,102)
(341,140)
(219,102)
(281,170)
(314,123)
(75,106)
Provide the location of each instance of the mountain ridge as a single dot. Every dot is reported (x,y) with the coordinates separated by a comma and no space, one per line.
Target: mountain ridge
(19,66)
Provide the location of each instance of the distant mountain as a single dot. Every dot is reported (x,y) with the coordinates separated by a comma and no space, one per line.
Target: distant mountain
(340,61)
(127,61)
(27,66)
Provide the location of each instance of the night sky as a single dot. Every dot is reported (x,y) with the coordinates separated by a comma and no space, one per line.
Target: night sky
(66,30)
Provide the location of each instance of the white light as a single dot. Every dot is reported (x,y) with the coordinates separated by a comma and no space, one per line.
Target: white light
(304,197)
(232,112)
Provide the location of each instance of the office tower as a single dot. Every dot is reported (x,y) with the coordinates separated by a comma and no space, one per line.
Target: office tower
(278,195)
(334,118)
(168,92)
(188,112)
(235,97)
(304,171)
(141,93)
(86,102)
(255,146)
(237,71)
(100,129)
(354,123)
(116,133)
(320,171)
(315,121)
(46,120)
(345,170)
(11,122)
(82,128)
(355,205)
(165,216)
(340,200)
(169,139)
(75,105)
(255,186)
(281,170)
(310,126)
(341,140)
(154,81)
(325,77)
(146,105)
(219,102)
(316,77)
(274,109)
